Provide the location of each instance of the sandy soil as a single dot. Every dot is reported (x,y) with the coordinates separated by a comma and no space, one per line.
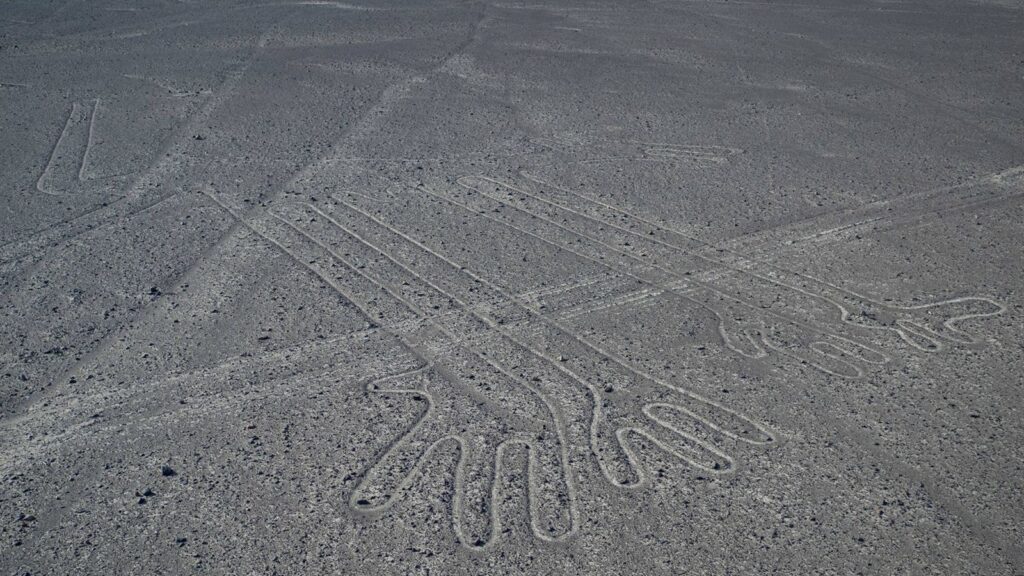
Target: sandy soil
(582,287)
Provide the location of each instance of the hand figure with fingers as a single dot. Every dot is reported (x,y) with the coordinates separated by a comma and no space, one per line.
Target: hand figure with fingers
(482,413)
(926,327)
(472,401)
(756,333)
(628,405)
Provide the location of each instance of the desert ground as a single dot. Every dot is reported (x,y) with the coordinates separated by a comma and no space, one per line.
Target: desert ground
(512,287)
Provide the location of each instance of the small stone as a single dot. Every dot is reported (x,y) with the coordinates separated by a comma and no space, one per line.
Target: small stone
(166,470)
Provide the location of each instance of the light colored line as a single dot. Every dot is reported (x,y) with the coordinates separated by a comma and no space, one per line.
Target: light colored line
(423,355)
(53,153)
(876,211)
(624,300)
(514,377)
(89,140)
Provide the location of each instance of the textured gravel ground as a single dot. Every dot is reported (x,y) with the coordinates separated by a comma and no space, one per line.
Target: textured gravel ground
(582,287)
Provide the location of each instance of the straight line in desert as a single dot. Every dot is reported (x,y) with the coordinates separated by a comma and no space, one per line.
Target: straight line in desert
(485,358)
(889,211)
(308,358)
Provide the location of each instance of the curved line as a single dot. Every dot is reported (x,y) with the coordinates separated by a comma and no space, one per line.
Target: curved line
(457,503)
(596,417)
(857,371)
(905,327)
(951,322)
(373,385)
(854,349)
(392,447)
(494,531)
(729,341)
(534,512)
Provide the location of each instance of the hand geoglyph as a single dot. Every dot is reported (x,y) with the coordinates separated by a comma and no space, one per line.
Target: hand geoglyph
(496,367)
(472,402)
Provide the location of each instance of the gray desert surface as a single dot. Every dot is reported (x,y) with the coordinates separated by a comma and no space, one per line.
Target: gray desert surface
(512,287)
